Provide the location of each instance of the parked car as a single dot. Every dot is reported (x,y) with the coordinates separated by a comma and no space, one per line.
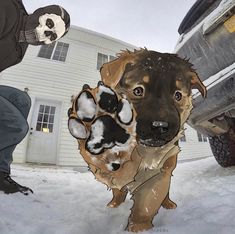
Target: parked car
(207,39)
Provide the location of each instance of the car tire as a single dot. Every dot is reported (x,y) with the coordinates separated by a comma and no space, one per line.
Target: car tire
(223,149)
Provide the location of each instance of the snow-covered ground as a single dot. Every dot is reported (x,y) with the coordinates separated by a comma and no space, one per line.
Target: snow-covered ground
(66,201)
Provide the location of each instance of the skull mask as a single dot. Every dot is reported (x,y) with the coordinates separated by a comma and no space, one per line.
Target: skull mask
(50,28)
(45,25)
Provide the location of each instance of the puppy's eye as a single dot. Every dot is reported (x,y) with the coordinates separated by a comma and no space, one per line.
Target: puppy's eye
(178,96)
(138,91)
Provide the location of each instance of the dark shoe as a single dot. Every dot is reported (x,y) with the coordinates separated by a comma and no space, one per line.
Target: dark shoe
(8,185)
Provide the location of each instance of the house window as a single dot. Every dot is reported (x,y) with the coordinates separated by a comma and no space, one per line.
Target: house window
(201,137)
(46,50)
(45,119)
(103,58)
(183,139)
(55,51)
(61,51)
(111,57)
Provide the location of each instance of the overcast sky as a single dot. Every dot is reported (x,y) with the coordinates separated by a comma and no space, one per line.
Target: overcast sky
(143,23)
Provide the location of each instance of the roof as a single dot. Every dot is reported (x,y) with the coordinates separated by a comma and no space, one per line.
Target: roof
(102,36)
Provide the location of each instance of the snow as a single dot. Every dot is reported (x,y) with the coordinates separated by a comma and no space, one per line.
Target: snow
(104,89)
(110,164)
(86,106)
(77,129)
(97,132)
(126,114)
(66,201)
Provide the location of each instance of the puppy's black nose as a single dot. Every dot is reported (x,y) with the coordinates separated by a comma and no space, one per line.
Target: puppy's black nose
(160,125)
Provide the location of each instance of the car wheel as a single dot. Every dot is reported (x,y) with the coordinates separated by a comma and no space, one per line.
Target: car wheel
(223,149)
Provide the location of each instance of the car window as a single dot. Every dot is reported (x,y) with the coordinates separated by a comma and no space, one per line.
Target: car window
(197,13)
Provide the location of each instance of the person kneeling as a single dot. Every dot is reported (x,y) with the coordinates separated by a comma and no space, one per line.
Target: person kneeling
(18,29)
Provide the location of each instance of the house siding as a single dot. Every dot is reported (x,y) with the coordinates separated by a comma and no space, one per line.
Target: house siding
(192,148)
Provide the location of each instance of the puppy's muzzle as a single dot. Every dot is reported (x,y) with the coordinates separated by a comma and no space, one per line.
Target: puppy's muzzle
(156,133)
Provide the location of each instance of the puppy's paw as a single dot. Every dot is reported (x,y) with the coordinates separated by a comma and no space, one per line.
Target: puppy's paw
(106,133)
(139,227)
(104,119)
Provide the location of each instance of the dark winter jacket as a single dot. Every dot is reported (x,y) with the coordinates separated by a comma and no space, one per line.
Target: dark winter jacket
(12,14)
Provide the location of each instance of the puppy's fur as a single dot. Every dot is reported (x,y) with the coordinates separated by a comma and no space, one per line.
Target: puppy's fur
(159,87)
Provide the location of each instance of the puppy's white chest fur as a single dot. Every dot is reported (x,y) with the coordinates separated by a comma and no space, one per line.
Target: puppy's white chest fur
(154,158)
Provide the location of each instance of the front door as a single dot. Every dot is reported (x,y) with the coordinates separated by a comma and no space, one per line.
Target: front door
(43,132)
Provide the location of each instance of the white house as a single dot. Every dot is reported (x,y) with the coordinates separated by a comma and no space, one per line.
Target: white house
(51,75)
(194,145)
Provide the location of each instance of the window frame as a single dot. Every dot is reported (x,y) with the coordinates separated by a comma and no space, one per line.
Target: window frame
(63,45)
(109,59)
(201,137)
(46,47)
(99,64)
(45,118)
(52,55)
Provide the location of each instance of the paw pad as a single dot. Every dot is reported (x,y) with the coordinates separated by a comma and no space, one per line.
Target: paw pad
(106,99)
(105,122)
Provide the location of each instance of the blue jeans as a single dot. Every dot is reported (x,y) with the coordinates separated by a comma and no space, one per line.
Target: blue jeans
(14,109)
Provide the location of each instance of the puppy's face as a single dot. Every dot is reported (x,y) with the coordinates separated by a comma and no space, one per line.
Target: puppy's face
(159,86)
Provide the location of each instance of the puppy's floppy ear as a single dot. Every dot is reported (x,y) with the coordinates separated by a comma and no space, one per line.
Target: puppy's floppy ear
(111,72)
(196,83)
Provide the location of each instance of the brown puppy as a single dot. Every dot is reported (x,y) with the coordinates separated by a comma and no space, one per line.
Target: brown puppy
(159,86)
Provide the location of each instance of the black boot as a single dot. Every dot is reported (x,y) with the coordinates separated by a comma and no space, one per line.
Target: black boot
(8,185)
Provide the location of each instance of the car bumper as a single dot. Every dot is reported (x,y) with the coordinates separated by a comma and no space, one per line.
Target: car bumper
(220,98)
